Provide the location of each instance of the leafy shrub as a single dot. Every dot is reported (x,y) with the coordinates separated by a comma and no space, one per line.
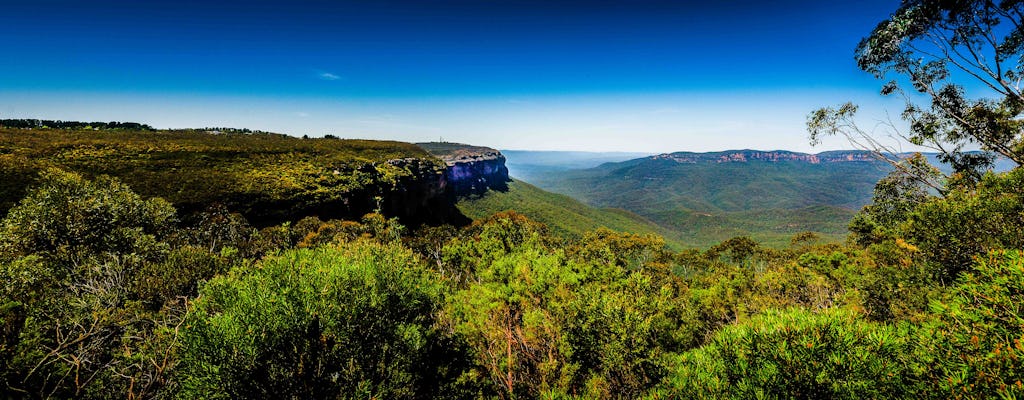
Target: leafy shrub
(543,323)
(976,347)
(354,321)
(797,354)
(179,275)
(68,218)
(951,231)
(69,254)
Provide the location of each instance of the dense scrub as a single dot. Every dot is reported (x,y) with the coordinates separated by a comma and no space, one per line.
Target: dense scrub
(109,294)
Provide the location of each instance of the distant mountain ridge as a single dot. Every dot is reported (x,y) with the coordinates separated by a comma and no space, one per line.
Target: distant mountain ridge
(730,156)
(529,164)
(704,198)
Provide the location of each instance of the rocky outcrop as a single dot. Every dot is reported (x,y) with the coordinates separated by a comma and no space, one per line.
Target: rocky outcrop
(766,156)
(425,192)
(470,170)
(420,197)
(475,175)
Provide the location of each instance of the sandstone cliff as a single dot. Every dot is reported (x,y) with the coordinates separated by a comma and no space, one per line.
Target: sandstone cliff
(470,170)
(767,156)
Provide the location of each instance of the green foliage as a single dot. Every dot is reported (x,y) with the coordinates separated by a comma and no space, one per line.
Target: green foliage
(312,232)
(816,281)
(217,228)
(703,203)
(73,255)
(981,38)
(269,178)
(900,192)
(68,219)
(951,231)
(798,355)
(17,173)
(942,51)
(353,321)
(976,347)
(630,251)
(178,275)
(565,216)
(541,322)
(738,250)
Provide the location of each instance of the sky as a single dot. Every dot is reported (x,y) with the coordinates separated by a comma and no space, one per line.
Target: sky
(601,75)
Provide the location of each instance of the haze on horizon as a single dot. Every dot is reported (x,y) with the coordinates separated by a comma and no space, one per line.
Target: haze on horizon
(605,75)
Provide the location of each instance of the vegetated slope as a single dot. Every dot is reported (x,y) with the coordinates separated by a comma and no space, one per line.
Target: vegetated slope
(562,214)
(709,197)
(565,216)
(268,177)
(452,151)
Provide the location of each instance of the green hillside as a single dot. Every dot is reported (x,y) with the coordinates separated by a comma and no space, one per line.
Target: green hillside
(268,177)
(562,214)
(772,227)
(703,201)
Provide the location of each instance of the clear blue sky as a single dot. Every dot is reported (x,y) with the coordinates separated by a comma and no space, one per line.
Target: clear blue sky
(633,75)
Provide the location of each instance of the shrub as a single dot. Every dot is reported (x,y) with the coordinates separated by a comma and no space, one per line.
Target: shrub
(354,321)
(797,354)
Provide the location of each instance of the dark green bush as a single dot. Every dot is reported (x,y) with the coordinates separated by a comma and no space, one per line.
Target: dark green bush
(797,355)
(355,321)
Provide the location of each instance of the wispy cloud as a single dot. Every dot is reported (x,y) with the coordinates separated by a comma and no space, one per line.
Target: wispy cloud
(302,114)
(327,76)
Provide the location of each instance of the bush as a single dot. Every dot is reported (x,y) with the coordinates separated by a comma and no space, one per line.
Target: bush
(69,253)
(542,323)
(797,354)
(977,344)
(336,322)
(67,219)
(951,231)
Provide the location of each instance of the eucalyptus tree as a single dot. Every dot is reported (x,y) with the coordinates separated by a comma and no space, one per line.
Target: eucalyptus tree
(958,67)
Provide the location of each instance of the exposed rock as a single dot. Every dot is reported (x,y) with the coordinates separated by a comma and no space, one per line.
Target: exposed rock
(471,170)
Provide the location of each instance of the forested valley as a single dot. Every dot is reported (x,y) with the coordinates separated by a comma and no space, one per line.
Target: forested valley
(111,294)
(225,263)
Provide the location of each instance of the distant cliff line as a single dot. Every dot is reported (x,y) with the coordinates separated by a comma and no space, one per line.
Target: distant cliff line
(767,156)
(827,157)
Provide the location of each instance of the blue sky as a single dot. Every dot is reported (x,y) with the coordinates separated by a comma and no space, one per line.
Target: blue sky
(631,75)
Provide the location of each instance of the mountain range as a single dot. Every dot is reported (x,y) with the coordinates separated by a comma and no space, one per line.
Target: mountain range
(700,199)
(704,198)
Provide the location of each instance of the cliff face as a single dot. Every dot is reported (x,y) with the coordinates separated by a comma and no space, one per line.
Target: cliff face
(426,194)
(419,197)
(766,156)
(476,174)
(470,170)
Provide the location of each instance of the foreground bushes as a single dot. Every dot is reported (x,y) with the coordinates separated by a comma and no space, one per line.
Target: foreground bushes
(107,295)
(543,323)
(75,325)
(797,354)
(976,344)
(348,322)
